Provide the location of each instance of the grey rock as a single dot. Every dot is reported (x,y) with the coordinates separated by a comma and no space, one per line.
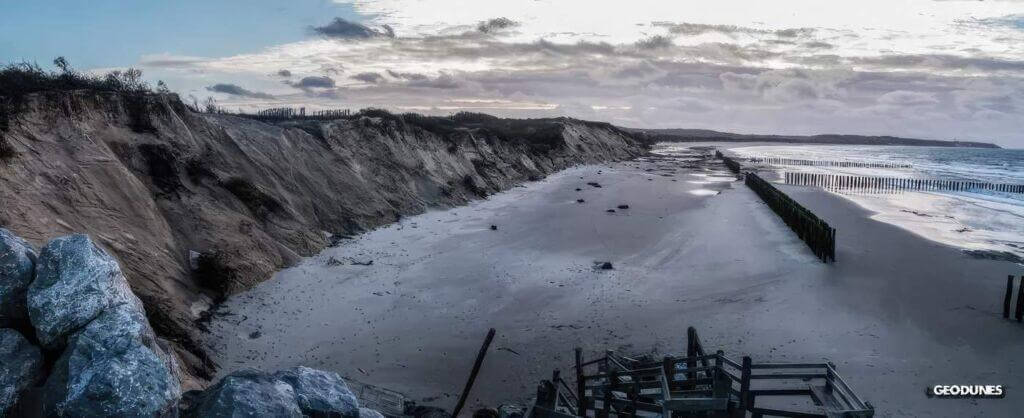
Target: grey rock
(75,282)
(247,393)
(115,366)
(17,268)
(321,393)
(369,413)
(511,411)
(21,367)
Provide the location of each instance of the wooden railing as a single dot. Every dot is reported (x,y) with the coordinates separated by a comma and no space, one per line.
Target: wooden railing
(697,384)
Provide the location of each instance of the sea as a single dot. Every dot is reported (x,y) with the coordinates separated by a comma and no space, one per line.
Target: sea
(985,222)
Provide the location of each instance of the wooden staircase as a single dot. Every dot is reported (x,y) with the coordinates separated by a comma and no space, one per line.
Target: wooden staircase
(697,385)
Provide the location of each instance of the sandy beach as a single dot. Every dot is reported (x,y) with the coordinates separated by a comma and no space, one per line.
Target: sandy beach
(695,247)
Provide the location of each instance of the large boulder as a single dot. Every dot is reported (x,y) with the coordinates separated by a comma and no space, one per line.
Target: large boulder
(17,268)
(75,282)
(115,366)
(320,393)
(21,367)
(246,393)
(296,392)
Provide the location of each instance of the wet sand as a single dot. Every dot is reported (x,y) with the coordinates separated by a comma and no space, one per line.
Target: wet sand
(895,313)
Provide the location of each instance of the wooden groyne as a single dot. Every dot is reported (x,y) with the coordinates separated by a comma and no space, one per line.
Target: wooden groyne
(815,232)
(893,184)
(825,163)
(729,162)
(1018,313)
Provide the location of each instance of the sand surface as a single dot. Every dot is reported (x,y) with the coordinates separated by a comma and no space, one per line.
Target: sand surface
(895,313)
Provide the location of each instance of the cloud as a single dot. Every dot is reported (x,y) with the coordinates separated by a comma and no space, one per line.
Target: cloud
(313,82)
(342,29)
(694,29)
(907,98)
(496,25)
(236,90)
(368,77)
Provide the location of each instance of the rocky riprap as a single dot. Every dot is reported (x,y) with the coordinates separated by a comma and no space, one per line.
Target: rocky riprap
(75,342)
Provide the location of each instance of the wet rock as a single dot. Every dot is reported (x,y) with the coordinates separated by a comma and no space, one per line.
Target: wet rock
(494,227)
(369,413)
(21,367)
(246,393)
(605,265)
(579,189)
(580,200)
(17,267)
(610,211)
(321,393)
(115,366)
(511,411)
(623,206)
(75,282)
(485,413)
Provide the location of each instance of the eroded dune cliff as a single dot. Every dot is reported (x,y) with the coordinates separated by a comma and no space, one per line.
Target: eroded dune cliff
(198,206)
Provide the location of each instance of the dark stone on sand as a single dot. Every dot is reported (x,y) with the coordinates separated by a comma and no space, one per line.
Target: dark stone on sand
(21,367)
(485,413)
(623,206)
(594,184)
(494,227)
(17,269)
(610,211)
(254,335)
(579,189)
(607,265)
(580,200)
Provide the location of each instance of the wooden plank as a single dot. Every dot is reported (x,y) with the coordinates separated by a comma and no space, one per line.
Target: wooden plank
(780,392)
(697,404)
(787,376)
(789,366)
(824,398)
(781,413)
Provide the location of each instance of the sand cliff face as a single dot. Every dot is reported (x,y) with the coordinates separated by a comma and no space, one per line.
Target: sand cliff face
(154,182)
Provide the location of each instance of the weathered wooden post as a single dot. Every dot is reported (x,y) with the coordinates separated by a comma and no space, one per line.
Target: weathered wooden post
(1020,303)
(745,399)
(473,373)
(1009,295)
(581,387)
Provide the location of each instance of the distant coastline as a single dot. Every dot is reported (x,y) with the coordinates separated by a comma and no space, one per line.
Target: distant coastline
(705,135)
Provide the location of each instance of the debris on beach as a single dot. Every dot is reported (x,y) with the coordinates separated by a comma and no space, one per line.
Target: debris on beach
(494,227)
(580,200)
(362,263)
(254,335)
(623,206)
(603,265)
(610,211)
(594,184)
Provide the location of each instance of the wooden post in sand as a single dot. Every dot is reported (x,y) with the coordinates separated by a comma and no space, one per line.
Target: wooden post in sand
(472,374)
(581,386)
(1020,303)
(1009,295)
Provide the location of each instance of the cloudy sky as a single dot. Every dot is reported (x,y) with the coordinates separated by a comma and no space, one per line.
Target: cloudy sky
(932,69)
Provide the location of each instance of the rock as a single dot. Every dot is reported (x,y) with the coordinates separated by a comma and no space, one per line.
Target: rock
(580,200)
(369,413)
(594,184)
(610,211)
(246,393)
(75,282)
(485,413)
(21,367)
(623,206)
(115,366)
(321,393)
(607,265)
(511,411)
(494,227)
(193,259)
(296,392)
(17,268)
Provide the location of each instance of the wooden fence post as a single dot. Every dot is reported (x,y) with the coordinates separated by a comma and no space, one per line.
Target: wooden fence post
(745,401)
(1020,302)
(472,374)
(1009,295)
(580,384)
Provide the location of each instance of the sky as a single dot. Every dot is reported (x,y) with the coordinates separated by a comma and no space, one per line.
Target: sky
(915,68)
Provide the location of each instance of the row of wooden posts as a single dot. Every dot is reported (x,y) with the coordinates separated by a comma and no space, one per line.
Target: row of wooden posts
(1018,313)
(826,163)
(892,184)
(729,162)
(813,230)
